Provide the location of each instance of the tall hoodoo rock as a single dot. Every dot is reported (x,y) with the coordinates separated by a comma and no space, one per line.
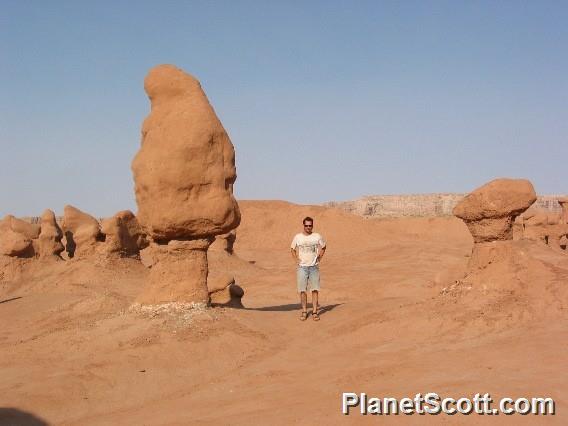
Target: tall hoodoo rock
(184,174)
(49,244)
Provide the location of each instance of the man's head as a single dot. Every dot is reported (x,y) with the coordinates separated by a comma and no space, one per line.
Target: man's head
(308,225)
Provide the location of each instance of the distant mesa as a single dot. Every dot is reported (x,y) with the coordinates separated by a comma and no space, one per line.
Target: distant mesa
(421,205)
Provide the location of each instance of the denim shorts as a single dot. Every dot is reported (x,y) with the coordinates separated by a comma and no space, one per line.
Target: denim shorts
(309,274)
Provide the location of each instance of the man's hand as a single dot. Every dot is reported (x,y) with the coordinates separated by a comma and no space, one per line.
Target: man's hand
(295,256)
(320,255)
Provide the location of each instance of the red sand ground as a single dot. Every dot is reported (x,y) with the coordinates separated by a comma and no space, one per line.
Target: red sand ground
(72,353)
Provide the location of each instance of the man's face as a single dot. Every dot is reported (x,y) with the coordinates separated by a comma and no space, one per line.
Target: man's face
(308,227)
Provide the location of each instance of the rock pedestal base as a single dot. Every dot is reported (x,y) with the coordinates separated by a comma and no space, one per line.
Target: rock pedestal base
(178,274)
(484,254)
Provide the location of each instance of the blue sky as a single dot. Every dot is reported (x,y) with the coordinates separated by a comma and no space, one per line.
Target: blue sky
(323,100)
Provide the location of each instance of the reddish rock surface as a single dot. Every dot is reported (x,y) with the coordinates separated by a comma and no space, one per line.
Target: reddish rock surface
(123,235)
(185,168)
(50,236)
(490,210)
(16,237)
(184,174)
(82,232)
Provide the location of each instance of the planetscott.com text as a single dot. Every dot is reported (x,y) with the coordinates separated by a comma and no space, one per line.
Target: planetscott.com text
(432,403)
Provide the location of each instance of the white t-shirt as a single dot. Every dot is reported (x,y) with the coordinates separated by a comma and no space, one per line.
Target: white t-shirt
(307,247)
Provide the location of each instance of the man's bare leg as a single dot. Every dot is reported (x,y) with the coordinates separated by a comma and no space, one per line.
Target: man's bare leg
(315,304)
(304,300)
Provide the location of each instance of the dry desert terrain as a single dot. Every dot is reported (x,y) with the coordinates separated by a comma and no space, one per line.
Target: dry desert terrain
(397,320)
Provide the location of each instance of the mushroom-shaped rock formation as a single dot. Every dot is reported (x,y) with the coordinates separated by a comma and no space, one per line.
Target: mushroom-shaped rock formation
(16,237)
(490,210)
(50,236)
(184,174)
(124,236)
(82,232)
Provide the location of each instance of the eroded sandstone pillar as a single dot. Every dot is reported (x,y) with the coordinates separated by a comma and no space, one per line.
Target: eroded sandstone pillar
(489,213)
(179,273)
(183,174)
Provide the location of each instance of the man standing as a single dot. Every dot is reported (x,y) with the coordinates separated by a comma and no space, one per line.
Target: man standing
(307,250)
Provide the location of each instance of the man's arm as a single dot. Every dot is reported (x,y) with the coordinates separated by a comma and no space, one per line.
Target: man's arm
(321,252)
(294,254)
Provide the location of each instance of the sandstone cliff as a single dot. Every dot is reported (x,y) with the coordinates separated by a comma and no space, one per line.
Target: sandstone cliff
(420,204)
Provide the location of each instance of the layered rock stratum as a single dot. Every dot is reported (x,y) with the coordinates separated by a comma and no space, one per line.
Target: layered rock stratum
(421,205)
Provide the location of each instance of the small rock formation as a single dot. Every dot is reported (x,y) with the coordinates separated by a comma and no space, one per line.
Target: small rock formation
(490,210)
(564,204)
(224,242)
(224,292)
(546,227)
(184,174)
(124,236)
(16,237)
(50,236)
(82,232)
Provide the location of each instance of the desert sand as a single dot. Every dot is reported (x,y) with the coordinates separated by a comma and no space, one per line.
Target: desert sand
(397,319)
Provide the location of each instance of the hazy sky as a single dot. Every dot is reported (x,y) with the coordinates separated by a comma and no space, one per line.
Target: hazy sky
(323,100)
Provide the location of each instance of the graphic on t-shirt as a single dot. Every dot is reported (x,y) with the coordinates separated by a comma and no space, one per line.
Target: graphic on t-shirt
(307,247)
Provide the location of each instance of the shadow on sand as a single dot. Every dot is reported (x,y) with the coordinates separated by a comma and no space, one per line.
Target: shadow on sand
(15,417)
(293,307)
(9,300)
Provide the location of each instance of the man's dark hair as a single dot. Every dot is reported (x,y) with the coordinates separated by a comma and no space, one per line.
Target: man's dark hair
(307,219)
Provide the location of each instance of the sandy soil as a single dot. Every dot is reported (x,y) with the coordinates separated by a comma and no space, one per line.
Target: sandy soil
(395,322)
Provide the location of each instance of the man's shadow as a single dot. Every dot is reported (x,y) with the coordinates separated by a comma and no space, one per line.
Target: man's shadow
(293,307)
